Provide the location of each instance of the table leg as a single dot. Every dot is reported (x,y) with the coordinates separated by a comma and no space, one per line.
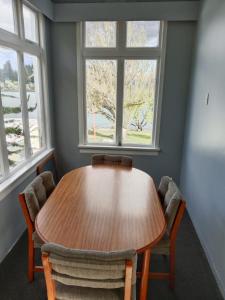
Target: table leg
(145,275)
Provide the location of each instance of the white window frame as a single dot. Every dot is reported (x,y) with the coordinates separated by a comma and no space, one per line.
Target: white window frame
(120,53)
(17,42)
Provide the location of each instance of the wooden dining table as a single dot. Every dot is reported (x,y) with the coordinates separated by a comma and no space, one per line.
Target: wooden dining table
(104,208)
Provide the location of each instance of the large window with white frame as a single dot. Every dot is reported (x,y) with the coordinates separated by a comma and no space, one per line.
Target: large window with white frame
(22,67)
(120,68)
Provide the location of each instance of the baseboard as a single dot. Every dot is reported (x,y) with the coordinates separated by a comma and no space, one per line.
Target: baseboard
(219,281)
(12,246)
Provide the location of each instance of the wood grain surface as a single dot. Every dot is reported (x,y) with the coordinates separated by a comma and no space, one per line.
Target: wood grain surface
(105,208)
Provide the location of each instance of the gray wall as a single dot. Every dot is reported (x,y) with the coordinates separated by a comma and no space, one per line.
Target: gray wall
(180,39)
(203,168)
(12,223)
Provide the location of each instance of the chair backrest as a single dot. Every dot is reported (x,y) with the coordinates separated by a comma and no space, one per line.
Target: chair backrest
(172,203)
(89,269)
(35,195)
(48,164)
(163,187)
(99,159)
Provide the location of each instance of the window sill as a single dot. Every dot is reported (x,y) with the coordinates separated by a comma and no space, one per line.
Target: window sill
(10,183)
(129,150)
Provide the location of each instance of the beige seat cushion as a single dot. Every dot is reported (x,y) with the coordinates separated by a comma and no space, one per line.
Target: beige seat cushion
(37,192)
(171,204)
(89,269)
(112,160)
(163,186)
(64,292)
(48,182)
(163,247)
(37,241)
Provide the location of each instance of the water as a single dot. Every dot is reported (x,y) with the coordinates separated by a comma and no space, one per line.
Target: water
(12,99)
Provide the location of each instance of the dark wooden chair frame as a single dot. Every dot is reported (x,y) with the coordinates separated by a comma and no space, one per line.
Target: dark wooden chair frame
(50,283)
(40,166)
(32,268)
(173,235)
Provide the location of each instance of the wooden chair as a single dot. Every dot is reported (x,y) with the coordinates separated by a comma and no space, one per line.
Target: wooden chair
(93,275)
(48,164)
(99,159)
(31,200)
(174,207)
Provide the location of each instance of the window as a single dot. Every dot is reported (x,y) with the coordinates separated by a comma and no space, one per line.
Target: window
(121,68)
(22,110)
(6,15)
(30,24)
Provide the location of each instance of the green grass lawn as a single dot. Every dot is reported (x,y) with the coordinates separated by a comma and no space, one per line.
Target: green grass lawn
(132,137)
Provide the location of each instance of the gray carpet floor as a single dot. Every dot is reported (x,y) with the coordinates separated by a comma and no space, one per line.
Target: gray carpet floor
(194,279)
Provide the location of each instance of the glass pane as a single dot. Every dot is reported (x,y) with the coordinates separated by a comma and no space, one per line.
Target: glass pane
(143,33)
(100,34)
(33,101)
(101,100)
(30,24)
(138,106)
(11,102)
(6,15)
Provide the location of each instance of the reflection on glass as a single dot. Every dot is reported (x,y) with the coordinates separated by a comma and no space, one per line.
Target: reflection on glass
(138,105)
(101,100)
(30,24)
(100,34)
(33,101)
(11,103)
(6,15)
(143,33)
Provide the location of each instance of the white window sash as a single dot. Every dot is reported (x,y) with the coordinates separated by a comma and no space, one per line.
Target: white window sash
(120,53)
(17,42)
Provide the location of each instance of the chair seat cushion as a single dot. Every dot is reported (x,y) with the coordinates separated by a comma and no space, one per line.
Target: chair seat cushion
(65,292)
(163,246)
(37,241)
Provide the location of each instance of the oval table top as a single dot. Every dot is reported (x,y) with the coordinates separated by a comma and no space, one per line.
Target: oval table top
(104,208)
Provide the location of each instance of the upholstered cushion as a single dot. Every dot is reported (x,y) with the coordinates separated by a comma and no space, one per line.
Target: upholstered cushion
(91,269)
(37,191)
(64,292)
(48,182)
(163,186)
(31,202)
(112,160)
(171,204)
(163,247)
(37,241)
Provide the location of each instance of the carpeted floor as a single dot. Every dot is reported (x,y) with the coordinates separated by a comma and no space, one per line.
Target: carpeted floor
(194,279)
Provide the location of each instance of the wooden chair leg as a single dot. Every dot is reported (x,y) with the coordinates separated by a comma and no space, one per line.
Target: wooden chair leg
(172,268)
(31,253)
(145,275)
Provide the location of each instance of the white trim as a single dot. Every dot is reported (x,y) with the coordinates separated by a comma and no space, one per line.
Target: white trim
(23,172)
(118,150)
(45,83)
(46,7)
(3,145)
(166,10)
(160,84)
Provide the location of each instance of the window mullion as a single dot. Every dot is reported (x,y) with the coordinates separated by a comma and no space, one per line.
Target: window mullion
(119,106)
(20,24)
(24,108)
(121,44)
(3,144)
